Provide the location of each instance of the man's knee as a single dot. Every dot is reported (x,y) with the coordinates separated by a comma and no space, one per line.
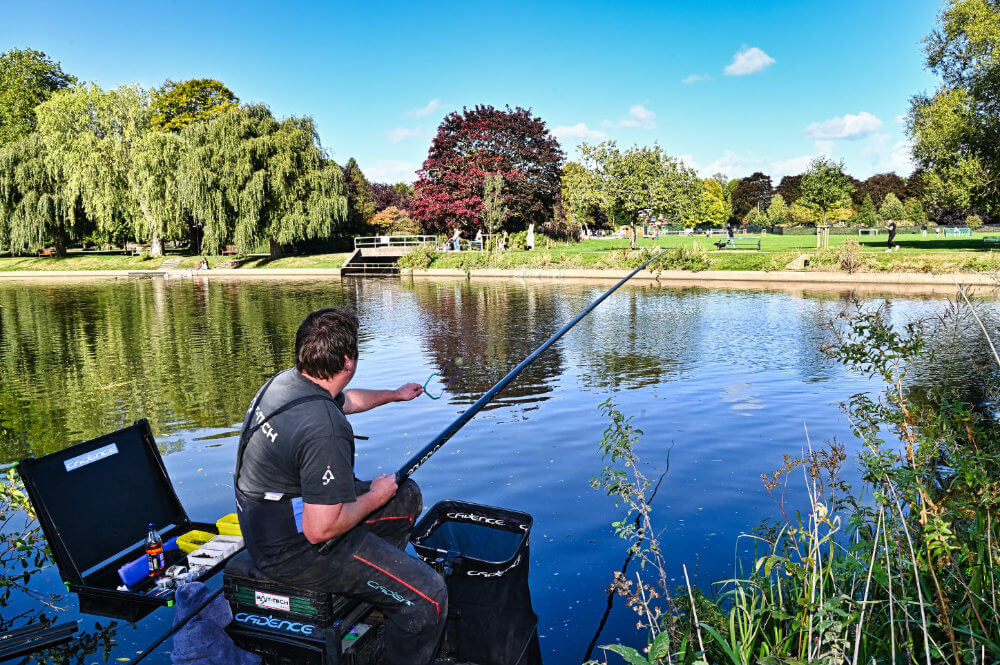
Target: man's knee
(410,497)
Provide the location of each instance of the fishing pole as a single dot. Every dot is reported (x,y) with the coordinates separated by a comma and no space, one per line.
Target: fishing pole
(424,454)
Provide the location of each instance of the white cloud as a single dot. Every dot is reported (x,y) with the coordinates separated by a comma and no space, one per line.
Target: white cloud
(901,158)
(425,111)
(688,161)
(823,147)
(578,132)
(400,134)
(846,127)
(639,117)
(736,165)
(749,61)
(391,170)
(881,157)
(694,78)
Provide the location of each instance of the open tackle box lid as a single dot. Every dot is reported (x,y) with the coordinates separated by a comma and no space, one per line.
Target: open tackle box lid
(94,501)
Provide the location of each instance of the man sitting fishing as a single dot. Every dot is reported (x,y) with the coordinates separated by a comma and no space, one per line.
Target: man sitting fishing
(295,490)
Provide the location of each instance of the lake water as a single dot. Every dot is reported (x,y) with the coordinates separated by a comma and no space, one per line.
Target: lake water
(723,382)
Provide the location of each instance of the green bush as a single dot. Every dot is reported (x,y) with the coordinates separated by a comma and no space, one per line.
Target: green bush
(974,222)
(420,257)
(519,240)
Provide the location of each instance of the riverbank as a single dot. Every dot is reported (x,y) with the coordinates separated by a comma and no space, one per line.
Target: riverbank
(722,278)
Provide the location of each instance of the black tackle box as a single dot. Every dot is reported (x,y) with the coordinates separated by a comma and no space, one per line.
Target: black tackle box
(94,501)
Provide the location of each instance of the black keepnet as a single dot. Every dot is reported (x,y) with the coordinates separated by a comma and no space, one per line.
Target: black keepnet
(95,510)
(490,620)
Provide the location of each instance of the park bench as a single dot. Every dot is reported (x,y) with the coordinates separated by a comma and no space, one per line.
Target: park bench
(737,243)
(991,242)
(228,250)
(869,232)
(47,251)
(958,232)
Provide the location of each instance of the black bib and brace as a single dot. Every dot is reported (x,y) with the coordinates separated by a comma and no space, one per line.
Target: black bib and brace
(295,446)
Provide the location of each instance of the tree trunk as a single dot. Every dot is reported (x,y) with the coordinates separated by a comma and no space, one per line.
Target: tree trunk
(60,242)
(275,249)
(155,244)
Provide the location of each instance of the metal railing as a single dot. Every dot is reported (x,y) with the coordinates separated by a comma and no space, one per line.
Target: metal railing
(393,241)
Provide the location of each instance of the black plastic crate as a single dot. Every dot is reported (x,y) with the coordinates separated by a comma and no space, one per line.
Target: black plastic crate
(247,589)
(93,502)
(281,640)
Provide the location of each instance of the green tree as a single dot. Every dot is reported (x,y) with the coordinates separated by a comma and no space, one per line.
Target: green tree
(495,210)
(120,169)
(580,194)
(178,104)
(638,184)
(360,199)
(37,203)
(954,130)
(974,222)
(868,216)
(27,78)
(915,211)
(892,208)
(249,178)
(714,210)
(777,212)
(825,187)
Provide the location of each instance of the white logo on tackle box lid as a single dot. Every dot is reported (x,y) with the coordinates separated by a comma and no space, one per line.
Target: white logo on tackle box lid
(272,601)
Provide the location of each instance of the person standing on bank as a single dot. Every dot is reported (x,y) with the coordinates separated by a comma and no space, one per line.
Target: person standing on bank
(892,234)
(295,490)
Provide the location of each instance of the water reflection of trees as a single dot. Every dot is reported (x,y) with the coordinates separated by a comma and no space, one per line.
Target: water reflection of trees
(79,361)
(493,326)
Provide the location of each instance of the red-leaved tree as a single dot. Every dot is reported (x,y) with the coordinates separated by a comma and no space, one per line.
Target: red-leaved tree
(485,141)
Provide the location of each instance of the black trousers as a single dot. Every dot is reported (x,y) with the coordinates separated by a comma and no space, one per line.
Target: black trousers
(370,564)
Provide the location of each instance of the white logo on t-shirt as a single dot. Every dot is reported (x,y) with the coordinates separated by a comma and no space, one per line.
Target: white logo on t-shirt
(327,476)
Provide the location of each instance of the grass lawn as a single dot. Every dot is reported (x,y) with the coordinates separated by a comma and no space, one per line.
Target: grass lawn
(80,261)
(779,243)
(916,254)
(311,261)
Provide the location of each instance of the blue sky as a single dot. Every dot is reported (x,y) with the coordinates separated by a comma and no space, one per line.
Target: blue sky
(730,86)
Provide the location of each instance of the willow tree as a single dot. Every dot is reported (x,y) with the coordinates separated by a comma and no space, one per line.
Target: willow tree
(249,178)
(37,203)
(121,169)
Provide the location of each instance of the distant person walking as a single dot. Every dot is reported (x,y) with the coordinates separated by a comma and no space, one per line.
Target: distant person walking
(529,240)
(923,230)
(456,239)
(892,235)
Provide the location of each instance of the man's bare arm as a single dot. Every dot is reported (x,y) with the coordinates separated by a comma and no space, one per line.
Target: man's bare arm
(357,400)
(320,523)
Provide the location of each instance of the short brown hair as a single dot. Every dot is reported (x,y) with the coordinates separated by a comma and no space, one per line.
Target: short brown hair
(325,337)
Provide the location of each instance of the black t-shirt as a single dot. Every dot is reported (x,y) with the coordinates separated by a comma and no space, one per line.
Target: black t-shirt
(304,454)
